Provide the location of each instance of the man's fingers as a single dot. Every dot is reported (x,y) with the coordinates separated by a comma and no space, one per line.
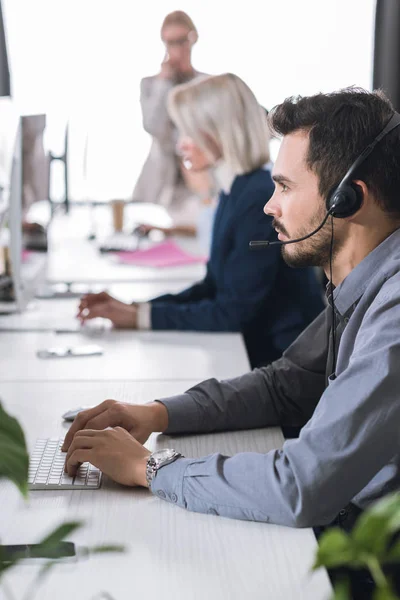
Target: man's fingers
(76,459)
(83,440)
(108,418)
(82,419)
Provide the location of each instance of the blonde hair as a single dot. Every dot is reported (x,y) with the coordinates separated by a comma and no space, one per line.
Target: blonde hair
(178,17)
(221,111)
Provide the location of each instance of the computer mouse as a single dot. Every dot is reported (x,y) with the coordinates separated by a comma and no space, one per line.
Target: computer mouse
(71,414)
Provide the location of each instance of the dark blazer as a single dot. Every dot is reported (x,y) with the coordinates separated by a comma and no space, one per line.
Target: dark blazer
(253,292)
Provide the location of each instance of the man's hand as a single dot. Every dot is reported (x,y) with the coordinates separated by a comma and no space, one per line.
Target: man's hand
(138,420)
(123,316)
(113,451)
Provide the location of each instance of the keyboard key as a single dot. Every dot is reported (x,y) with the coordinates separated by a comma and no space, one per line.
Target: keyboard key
(93,483)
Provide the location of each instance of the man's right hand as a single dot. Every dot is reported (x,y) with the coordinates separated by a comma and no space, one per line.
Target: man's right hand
(139,420)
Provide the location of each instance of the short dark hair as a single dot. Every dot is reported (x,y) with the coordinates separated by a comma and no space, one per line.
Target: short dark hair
(340,126)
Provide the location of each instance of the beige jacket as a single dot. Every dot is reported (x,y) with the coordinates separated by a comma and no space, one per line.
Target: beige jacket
(160,180)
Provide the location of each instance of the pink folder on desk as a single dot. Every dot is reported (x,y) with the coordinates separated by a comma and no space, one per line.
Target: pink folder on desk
(166,254)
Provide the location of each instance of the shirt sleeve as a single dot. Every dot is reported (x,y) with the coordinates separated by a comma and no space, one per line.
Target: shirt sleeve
(283,393)
(351,436)
(144,315)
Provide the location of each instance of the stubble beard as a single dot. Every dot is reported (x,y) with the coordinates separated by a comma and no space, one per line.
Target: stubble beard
(315,251)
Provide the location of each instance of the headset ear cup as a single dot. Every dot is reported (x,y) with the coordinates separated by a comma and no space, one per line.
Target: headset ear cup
(347,199)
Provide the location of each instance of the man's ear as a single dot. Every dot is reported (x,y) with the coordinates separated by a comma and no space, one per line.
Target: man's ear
(363,186)
(367,196)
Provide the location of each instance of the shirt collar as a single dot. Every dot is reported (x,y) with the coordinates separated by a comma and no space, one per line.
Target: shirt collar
(354,285)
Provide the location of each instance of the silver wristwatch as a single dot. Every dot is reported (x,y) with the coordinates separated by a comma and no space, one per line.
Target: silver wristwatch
(159,459)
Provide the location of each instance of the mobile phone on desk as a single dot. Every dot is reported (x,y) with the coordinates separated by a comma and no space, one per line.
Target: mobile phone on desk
(26,553)
(70,351)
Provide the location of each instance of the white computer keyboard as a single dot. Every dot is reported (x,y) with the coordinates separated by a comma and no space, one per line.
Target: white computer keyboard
(46,469)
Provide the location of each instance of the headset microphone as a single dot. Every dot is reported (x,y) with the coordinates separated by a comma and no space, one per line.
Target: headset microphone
(259,244)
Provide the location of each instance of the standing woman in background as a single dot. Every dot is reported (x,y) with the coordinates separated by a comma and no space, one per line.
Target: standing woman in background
(223,129)
(163,179)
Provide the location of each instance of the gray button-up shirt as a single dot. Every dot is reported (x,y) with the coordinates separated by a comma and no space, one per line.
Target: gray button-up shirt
(349,446)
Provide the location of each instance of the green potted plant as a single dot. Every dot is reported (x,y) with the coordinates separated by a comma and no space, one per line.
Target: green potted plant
(372,546)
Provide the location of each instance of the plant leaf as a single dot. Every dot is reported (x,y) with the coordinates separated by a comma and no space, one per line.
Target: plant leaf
(342,590)
(385,593)
(106,548)
(44,571)
(60,533)
(394,553)
(14,459)
(376,525)
(335,549)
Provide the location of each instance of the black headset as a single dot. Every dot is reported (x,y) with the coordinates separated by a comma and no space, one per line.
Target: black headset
(347,198)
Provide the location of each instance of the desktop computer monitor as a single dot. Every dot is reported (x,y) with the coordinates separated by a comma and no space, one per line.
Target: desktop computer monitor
(27,269)
(35,162)
(36,211)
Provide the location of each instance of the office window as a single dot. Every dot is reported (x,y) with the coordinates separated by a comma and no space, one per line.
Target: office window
(85,59)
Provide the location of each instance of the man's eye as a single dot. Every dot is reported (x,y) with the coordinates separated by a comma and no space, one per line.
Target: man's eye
(284,188)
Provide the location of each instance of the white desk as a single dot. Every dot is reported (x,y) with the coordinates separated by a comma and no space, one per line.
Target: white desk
(171,553)
(60,313)
(73,258)
(135,355)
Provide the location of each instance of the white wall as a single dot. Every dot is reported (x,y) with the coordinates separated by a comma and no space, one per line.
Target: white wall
(85,58)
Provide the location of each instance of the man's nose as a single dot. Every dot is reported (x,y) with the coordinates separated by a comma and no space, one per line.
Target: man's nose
(273,207)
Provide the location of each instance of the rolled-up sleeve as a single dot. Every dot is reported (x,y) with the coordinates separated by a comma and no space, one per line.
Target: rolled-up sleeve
(200,485)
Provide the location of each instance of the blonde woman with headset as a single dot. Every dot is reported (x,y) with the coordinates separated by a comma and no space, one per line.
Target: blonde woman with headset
(223,130)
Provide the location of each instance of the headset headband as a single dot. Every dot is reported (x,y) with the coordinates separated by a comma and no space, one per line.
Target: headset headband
(393,122)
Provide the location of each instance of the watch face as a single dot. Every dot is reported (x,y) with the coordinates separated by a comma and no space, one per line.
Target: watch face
(162,455)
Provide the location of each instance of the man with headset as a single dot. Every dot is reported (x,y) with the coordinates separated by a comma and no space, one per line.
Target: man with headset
(336,205)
